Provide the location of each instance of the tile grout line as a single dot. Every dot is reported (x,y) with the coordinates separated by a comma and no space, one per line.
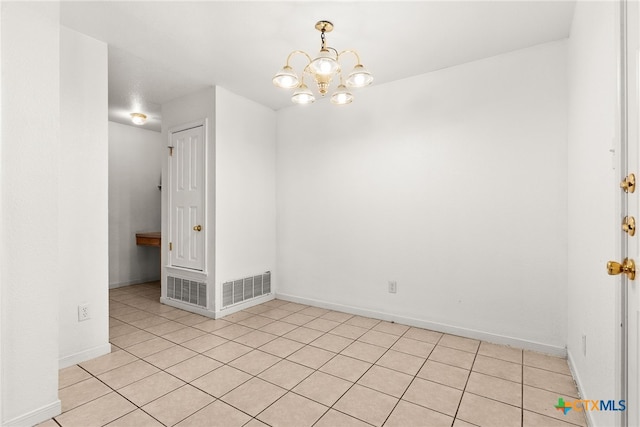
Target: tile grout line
(360,377)
(119,394)
(412,379)
(522,389)
(324,333)
(257,375)
(466,383)
(318,370)
(186,383)
(189,383)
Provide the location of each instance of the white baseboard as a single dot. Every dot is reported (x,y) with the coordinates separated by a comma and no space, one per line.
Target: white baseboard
(36,416)
(187,307)
(244,305)
(217,314)
(574,372)
(133,282)
(578,380)
(83,356)
(434,326)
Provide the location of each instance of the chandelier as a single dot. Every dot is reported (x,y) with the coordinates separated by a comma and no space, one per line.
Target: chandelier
(323,69)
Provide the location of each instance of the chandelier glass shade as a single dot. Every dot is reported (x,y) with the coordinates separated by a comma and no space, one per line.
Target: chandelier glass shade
(323,69)
(303,95)
(286,78)
(341,96)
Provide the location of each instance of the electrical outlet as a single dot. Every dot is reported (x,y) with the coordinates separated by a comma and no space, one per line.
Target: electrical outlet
(584,344)
(393,287)
(83,312)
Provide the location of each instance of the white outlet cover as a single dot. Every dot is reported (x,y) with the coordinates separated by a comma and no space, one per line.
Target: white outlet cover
(83,312)
(393,287)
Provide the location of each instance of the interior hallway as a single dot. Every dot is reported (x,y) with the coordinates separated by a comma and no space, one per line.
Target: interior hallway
(287,364)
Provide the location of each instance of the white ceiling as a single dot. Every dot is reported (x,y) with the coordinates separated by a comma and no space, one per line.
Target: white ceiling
(161,50)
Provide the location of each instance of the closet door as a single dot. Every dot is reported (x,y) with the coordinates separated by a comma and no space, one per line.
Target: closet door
(187,174)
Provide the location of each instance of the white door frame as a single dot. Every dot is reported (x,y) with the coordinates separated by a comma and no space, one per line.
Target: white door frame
(627,350)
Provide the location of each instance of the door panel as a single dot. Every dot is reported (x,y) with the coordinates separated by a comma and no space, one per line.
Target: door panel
(187,198)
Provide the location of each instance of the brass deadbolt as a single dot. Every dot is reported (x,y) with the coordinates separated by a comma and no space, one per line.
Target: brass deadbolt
(629,183)
(627,267)
(629,225)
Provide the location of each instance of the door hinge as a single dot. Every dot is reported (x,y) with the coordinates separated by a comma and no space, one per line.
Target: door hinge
(171,151)
(170,246)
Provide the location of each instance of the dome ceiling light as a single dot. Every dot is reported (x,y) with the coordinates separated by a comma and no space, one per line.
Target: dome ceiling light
(323,69)
(138,118)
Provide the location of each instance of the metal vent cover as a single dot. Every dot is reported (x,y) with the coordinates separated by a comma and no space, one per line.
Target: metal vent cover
(244,289)
(187,291)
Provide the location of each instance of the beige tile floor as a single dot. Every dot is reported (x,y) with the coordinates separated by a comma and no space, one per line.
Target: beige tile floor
(287,364)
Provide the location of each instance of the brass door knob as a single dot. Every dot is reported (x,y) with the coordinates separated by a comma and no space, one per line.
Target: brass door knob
(197,228)
(629,225)
(629,183)
(627,267)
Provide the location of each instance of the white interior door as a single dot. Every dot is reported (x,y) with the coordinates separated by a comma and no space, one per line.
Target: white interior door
(630,210)
(187,174)
(633,211)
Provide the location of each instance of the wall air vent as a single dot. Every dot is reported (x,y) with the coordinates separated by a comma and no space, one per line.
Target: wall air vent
(241,290)
(187,291)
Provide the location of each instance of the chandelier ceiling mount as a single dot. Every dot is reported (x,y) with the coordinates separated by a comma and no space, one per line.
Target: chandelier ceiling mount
(324,26)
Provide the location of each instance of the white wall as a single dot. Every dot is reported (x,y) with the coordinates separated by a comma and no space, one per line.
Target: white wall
(240,187)
(29,263)
(177,112)
(135,167)
(451,183)
(83,198)
(591,201)
(245,188)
